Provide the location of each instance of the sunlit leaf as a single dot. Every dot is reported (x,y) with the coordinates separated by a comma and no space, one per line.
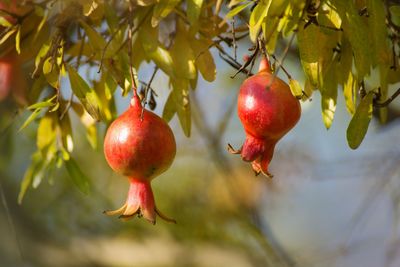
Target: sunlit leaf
(86,95)
(295,88)
(356,30)
(4,22)
(349,91)
(51,73)
(31,118)
(194,10)
(237,10)
(148,37)
(18,41)
(8,34)
(162,9)
(66,133)
(316,51)
(359,123)
(329,96)
(256,18)
(46,132)
(43,104)
(377,28)
(183,56)
(203,59)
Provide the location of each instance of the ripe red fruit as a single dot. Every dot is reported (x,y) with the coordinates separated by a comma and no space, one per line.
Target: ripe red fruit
(6,77)
(267,110)
(140,146)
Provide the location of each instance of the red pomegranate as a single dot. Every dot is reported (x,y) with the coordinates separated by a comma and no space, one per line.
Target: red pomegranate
(139,145)
(6,77)
(267,110)
(11,77)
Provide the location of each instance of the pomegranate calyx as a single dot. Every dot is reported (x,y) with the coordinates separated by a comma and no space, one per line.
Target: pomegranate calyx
(135,101)
(264,65)
(140,202)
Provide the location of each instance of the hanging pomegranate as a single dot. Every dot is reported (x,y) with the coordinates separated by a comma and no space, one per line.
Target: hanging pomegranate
(267,110)
(139,145)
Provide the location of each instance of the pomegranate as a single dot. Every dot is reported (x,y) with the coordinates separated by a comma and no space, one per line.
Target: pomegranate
(11,77)
(6,77)
(139,145)
(267,110)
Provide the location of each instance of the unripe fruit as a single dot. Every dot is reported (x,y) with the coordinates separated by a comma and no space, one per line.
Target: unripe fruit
(267,110)
(139,145)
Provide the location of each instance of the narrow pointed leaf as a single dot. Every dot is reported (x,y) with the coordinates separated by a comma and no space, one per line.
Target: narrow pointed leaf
(359,123)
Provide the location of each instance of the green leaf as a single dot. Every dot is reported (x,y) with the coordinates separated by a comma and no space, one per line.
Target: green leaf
(271,33)
(295,88)
(356,30)
(46,133)
(329,96)
(148,38)
(256,18)
(236,10)
(345,63)
(91,135)
(193,11)
(377,28)
(349,91)
(359,123)
(86,95)
(44,104)
(203,59)
(7,35)
(111,16)
(183,56)
(4,22)
(95,39)
(66,133)
(169,108)
(32,117)
(395,13)
(316,51)
(77,176)
(41,55)
(29,175)
(162,9)
(180,97)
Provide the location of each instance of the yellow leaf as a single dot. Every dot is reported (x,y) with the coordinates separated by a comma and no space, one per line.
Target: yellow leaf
(256,18)
(359,123)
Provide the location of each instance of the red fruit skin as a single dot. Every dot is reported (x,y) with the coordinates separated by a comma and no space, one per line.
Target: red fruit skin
(12,80)
(267,110)
(11,77)
(140,148)
(6,77)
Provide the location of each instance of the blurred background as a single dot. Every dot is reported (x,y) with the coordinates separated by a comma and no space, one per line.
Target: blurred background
(327,205)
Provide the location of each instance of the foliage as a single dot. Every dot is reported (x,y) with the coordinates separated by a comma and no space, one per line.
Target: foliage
(341,45)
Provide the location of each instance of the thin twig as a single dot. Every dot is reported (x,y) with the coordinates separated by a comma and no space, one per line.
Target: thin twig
(108,43)
(234,39)
(247,63)
(284,70)
(146,90)
(378,104)
(280,63)
(134,86)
